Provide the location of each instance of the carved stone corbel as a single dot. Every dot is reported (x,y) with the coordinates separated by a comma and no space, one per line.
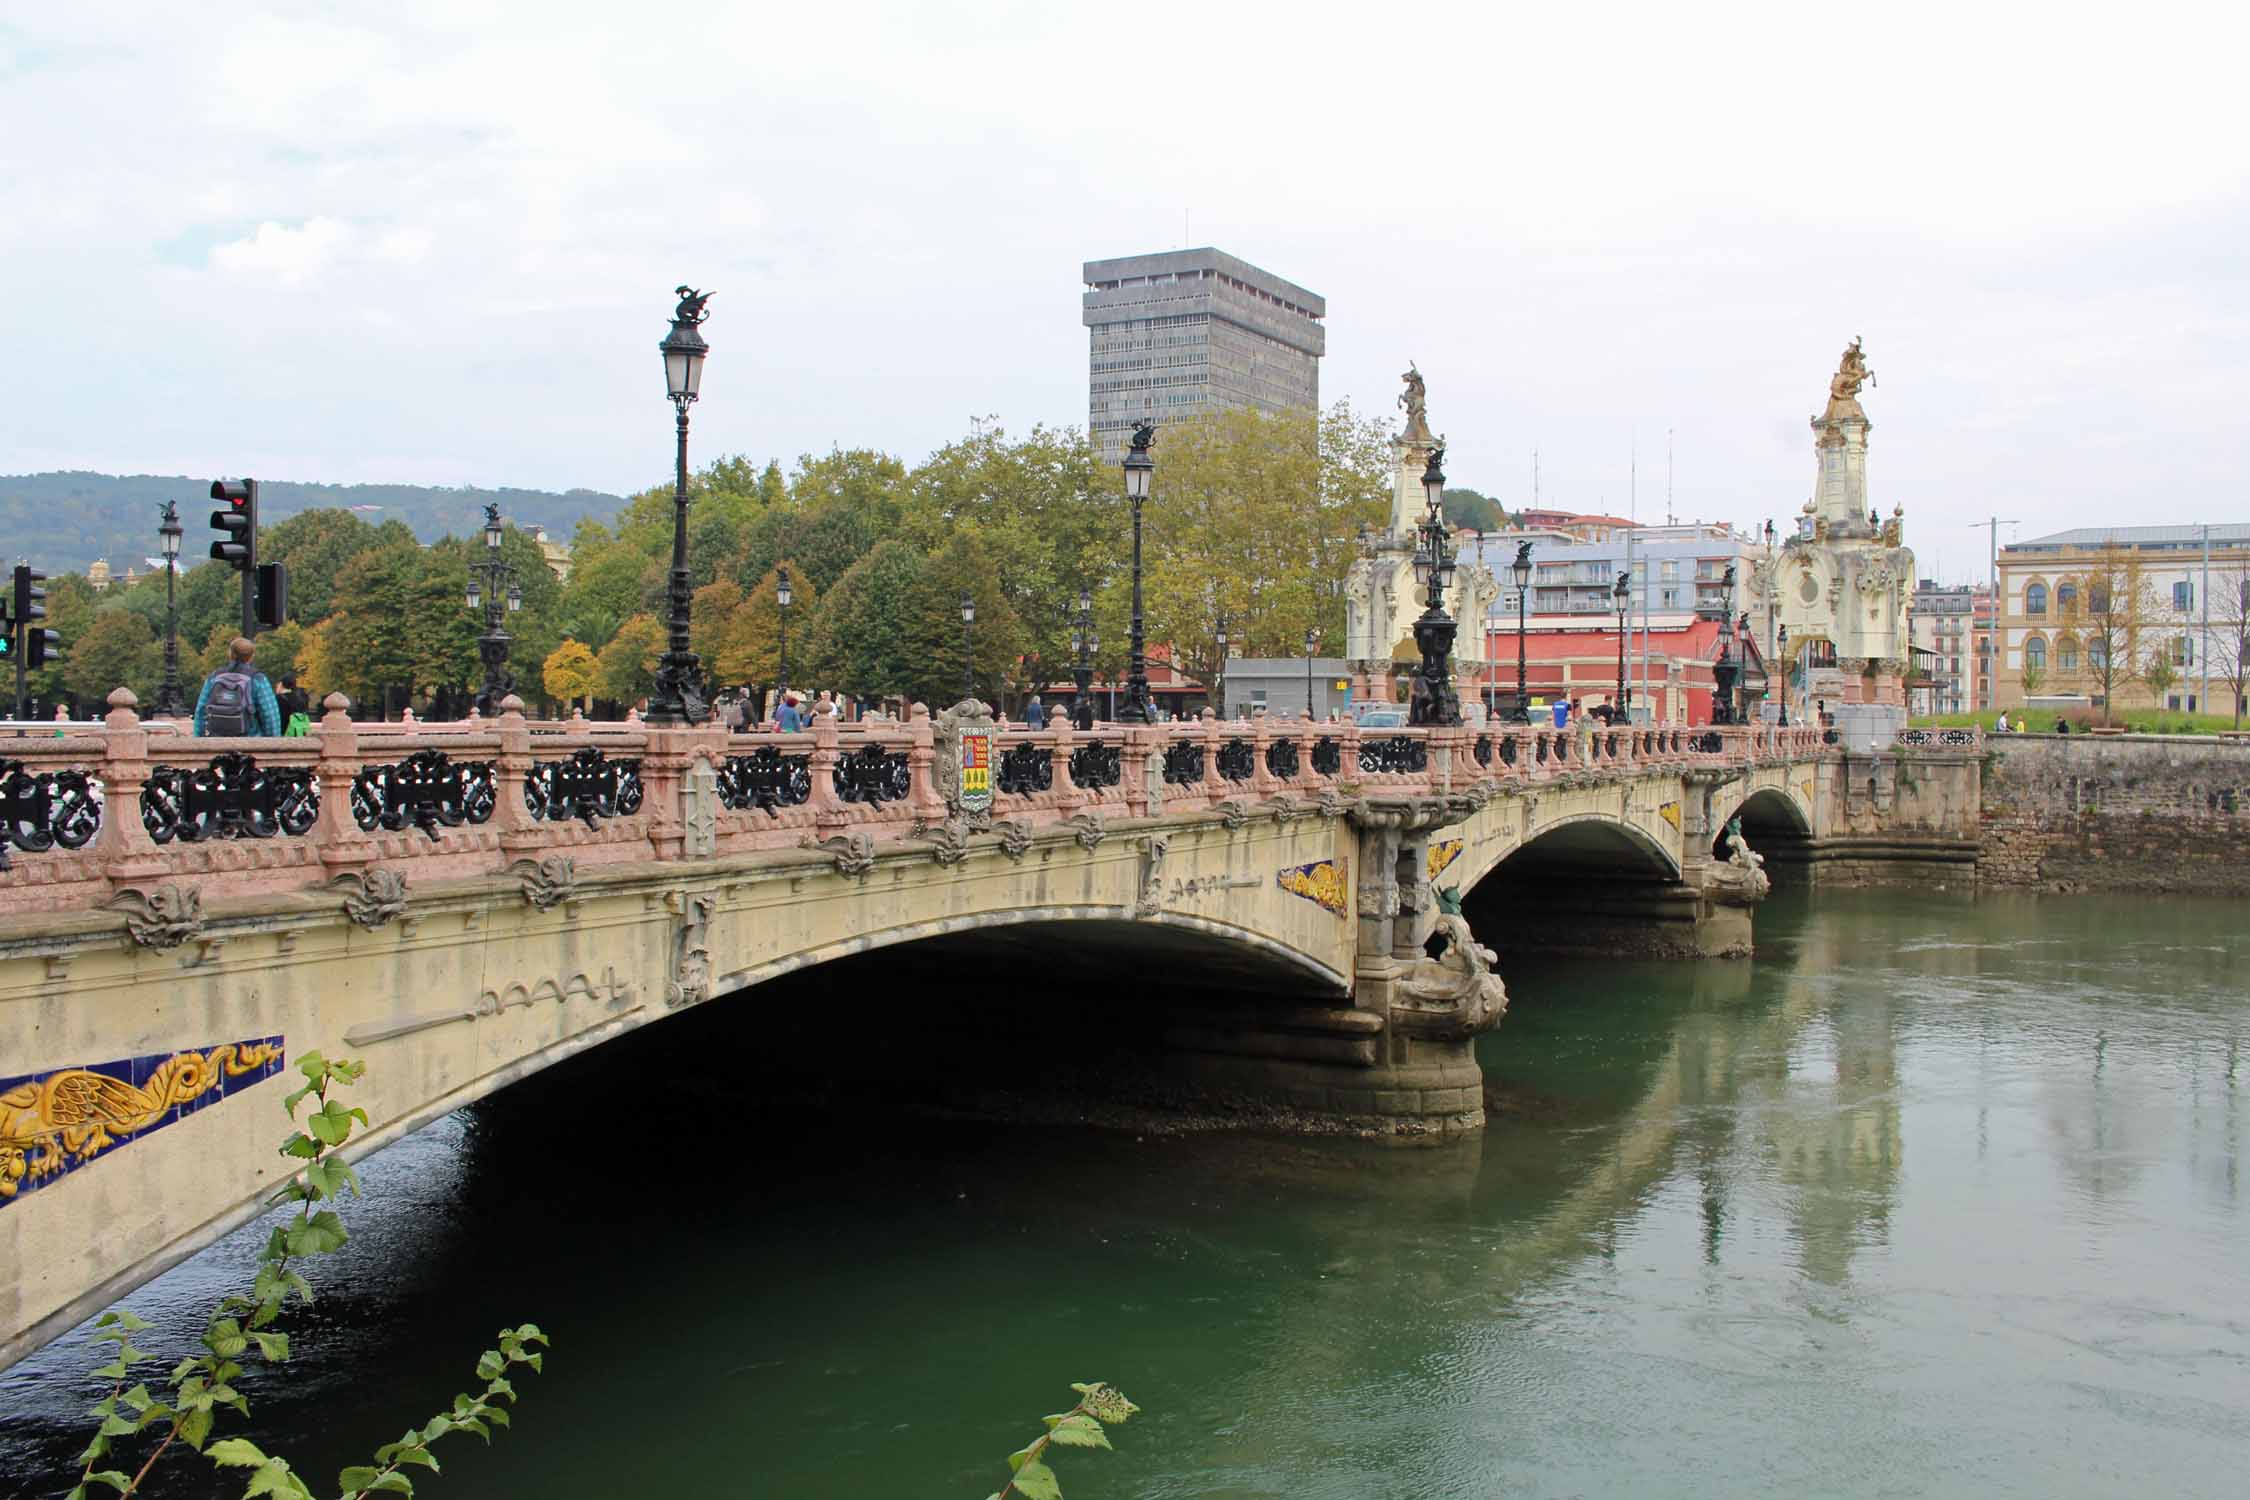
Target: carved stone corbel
(854,853)
(949,842)
(371,897)
(1088,830)
(548,882)
(163,918)
(1334,804)
(1234,812)
(1285,809)
(1152,877)
(1015,838)
(691,981)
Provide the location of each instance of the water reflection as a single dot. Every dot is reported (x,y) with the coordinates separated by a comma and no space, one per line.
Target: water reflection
(1934,1196)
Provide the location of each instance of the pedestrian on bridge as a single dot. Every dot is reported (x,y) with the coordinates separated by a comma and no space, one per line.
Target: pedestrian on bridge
(1034,715)
(237,700)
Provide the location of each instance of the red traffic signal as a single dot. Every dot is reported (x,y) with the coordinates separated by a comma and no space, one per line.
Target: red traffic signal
(237,525)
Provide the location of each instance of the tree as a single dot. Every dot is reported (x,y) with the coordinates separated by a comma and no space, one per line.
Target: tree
(708,610)
(319,673)
(750,645)
(628,662)
(570,672)
(1036,509)
(1255,516)
(315,545)
(2159,671)
(2229,645)
(2110,603)
(70,614)
(868,632)
(115,650)
(1470,508)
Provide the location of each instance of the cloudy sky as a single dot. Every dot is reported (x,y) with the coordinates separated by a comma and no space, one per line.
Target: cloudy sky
(435,242)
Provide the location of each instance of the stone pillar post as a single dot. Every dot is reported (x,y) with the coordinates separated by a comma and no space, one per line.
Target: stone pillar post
(519,831)
(127,853)
(923,803)
(830,814)
(1214,787)
(1262,780)
(1308,735)
(1068,796)
(336,833)
(1144,768)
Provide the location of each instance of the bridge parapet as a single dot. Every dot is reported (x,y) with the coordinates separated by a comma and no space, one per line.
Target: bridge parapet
(133,806)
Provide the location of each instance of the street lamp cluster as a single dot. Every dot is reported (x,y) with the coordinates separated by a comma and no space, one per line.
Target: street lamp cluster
(1434,700)
(170,703)
(677,697)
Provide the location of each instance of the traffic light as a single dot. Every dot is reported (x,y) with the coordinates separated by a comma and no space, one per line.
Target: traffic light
(7,633)
(273,595)
(237,525)
(30,608)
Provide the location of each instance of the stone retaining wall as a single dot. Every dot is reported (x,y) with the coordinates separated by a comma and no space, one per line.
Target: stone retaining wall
(2129,812)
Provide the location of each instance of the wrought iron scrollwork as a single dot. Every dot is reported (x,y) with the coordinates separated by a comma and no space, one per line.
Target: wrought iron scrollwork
(1327,756)
(1394,753)
(1237,760)
(1183,763)
(426,791)
(1483,750)
(1097,765)
(231,797)
(1508,751)
(588,786)
(1281,758)
(1710,743)
(40,811)
(765,778)
(1025,769)
(872,774)
(1829,737)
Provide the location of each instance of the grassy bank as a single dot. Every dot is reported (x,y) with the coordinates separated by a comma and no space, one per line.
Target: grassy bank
(2139,720)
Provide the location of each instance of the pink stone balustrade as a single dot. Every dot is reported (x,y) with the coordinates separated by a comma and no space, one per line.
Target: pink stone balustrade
(709,792)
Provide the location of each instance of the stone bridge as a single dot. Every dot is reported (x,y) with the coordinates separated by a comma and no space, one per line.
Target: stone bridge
(462,905)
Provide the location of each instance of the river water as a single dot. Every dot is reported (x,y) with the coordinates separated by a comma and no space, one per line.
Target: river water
(1937,1196)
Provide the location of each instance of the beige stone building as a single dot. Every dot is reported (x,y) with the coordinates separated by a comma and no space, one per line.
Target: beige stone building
(2145,615)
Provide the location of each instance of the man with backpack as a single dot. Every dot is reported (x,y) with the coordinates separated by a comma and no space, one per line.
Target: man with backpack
(237,700)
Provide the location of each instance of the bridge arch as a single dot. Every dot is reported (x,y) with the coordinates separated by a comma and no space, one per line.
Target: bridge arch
(1771,816)
(1592,845)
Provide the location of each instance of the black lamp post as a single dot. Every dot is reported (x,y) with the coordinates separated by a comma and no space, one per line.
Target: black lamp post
(1312,645)
(168,698)
(1219,674)
(1780,659)
(1140,469)
(678,695)
(1520,571)
(1624,696)
(1083,644)
(493,587)
(1435,701)
(783,597)
(968,656)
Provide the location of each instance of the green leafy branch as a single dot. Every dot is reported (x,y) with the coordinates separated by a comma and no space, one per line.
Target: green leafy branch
(1080,1427)
(201,1383)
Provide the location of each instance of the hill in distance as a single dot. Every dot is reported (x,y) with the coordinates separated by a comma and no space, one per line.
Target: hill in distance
(63,521)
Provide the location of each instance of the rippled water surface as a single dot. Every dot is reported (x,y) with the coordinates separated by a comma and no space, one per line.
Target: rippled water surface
(1938,1196)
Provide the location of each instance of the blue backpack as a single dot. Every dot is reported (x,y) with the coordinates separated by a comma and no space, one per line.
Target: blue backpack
(226,712)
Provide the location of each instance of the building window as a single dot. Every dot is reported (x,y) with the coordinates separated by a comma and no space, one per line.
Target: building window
(2097,598)
(2066,597)
(2066,656)
(2035,653)
(2097,655)
(2035,599)
(2183,595)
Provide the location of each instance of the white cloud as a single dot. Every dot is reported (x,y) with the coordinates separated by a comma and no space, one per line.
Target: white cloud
(290,255)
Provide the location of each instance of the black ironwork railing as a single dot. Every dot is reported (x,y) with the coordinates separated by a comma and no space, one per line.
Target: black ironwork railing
(231,797)
(1327,757)
(1281,758)
(871,774)
(1238,761)
(765,778)
(1025,769)
(1183,763)
(1508,751)
(427,790)
(39,811)
(1708,743)
(1097,765)
(1483,750)
(588,786)
(1394,753)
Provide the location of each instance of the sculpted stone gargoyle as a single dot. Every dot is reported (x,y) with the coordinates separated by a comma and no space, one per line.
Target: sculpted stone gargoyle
(1455,995)
(1741,878)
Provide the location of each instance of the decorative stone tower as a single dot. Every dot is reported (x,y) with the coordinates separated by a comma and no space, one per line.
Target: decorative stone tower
(1843,585)
(1381,599)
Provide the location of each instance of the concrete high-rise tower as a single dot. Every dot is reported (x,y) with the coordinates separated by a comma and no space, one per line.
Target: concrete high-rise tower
(1173,334)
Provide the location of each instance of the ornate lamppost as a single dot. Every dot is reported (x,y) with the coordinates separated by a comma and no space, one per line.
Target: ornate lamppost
(678,695)
(169,702)
(1520,571)
(1083,644)
(1435,701)
(497,593)
(1780,659)
(1140,469)
(1312,645)
(1624,695)
(783,597)
(968,655)
(1219,674)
